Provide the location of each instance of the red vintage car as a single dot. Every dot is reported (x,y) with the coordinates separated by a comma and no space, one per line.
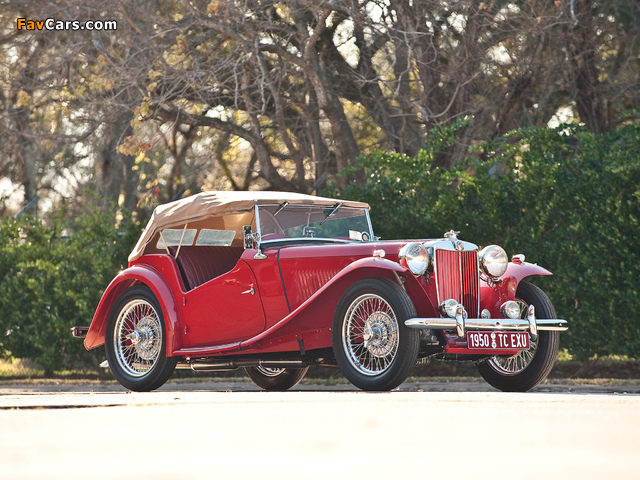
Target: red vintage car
(276,282)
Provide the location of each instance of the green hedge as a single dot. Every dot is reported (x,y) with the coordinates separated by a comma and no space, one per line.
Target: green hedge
(50,282)
(564,197)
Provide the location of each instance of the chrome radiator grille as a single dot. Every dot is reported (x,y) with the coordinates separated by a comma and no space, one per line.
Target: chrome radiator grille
(457,278)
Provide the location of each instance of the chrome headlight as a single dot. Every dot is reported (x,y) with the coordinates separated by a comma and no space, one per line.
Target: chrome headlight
(493,260)
(415,257)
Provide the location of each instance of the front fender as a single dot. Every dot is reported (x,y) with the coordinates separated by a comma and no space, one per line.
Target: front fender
(492,297)
(316,313)
(137,275)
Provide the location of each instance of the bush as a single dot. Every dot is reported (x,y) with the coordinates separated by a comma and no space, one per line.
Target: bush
(50,282)
(565,197)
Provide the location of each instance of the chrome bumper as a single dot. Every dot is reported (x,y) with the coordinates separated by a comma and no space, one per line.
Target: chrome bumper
(461,323)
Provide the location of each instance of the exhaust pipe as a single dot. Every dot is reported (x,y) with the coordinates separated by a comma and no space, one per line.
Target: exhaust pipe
(233,364)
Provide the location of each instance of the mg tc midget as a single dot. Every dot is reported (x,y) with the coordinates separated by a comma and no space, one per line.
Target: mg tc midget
(277,282)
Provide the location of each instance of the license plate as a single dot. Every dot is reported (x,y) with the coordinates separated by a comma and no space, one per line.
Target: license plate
(498,340)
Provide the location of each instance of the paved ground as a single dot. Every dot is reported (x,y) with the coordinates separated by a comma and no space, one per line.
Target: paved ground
(230,429)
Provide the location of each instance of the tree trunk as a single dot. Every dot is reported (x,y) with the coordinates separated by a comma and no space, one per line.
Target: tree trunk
(583,72)
(346,147)
(116,174)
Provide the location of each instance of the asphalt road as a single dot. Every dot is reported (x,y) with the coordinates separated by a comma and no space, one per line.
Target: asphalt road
(222,429)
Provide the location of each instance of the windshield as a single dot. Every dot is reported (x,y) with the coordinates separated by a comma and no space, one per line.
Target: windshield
(284,221)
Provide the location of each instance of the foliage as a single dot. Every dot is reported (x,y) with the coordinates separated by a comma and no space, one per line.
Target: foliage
(565,197)
(266,94)
(52,279)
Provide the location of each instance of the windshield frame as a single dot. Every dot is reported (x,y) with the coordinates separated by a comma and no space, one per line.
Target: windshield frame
(280,207)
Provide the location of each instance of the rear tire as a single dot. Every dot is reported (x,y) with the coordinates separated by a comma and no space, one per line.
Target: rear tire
(135,341)
(527,369)
(375,350)
(276,379)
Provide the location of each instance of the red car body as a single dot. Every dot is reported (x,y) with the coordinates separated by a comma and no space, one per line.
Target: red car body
(269,301)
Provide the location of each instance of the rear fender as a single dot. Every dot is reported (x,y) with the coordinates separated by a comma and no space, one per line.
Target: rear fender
(136,275)
(492,297)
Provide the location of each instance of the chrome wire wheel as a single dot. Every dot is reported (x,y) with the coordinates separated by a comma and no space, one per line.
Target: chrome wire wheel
(372,346)
(518,362)
(370,334)
(269,372)
(528,368)
(137,339)
(275,379)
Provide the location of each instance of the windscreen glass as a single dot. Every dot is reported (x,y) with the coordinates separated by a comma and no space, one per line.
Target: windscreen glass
(314,221)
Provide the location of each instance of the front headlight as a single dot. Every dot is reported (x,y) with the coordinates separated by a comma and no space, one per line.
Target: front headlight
(415,257)
(493,260)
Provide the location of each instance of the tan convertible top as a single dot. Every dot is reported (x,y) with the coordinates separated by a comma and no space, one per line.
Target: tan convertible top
(217,204)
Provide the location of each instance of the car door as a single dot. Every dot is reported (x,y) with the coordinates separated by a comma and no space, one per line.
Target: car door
(223,310)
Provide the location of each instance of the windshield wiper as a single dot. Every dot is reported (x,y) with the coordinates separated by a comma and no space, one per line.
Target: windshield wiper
(333,211)
(281,207)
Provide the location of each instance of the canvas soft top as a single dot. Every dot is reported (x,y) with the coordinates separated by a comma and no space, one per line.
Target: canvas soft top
(217,204)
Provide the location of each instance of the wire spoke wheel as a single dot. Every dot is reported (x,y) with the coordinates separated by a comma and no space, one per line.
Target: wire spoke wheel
(275,379)
(270,372)
(370,334)
(137,337)
(528,368)
(373,347)
(135,341)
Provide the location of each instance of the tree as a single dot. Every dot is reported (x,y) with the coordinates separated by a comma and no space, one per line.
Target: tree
(33,122)
(293,80)
(285,95)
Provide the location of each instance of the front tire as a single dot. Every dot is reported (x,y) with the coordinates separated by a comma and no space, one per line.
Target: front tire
(135,341)
(375,350)
(528,368)
(276,379)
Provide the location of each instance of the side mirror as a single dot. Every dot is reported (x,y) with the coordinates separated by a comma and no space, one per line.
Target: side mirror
(249,238)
